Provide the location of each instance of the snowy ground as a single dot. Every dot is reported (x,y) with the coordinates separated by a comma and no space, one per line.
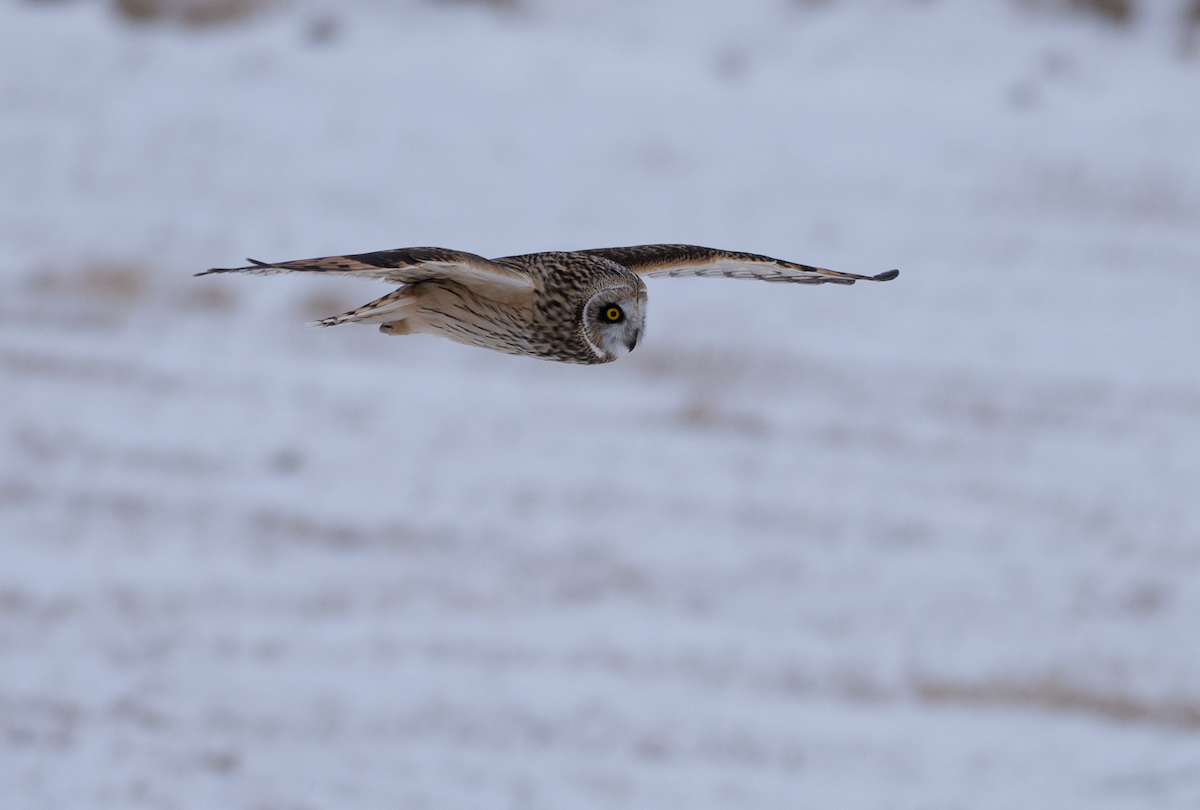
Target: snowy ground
(926,544)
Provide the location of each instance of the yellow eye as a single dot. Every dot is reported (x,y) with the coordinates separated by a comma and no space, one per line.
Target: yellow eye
(613,314)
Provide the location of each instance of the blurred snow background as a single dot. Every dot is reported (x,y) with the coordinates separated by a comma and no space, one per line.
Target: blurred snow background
(933,543)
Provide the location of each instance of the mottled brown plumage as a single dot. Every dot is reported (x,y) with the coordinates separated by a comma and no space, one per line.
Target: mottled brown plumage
(585,306)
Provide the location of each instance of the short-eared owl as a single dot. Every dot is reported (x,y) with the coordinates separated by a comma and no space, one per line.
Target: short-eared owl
(585,306)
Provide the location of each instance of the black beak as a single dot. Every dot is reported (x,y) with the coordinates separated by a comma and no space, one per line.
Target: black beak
(633,341)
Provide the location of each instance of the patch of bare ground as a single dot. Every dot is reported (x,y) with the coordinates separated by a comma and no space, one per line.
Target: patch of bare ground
(304,530)
(704,414)
(29,722)
(1153,194)
(192,13)
(716,371)
(96,294)
(118,282)
(42,447)
(18,603)
(1049,693)
(582,575)
(104,295)
(86,370)
(1117,12)
(499,5)
(1190,22)
(1057,694)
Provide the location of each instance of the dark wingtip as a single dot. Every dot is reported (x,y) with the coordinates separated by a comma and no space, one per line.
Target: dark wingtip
(253,263)
(888,276)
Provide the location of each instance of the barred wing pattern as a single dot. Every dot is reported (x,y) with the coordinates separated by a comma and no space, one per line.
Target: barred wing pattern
(403,266)
(676,261)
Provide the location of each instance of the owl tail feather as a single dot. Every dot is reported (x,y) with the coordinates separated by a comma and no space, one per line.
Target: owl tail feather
(388,309)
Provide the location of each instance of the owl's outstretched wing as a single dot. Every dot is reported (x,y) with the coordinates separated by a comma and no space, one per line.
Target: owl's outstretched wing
(405,266)
(673,261)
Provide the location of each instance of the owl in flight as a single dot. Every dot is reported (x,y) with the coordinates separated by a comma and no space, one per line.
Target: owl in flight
(584,306)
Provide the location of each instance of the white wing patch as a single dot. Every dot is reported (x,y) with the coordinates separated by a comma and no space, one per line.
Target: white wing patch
(464,273)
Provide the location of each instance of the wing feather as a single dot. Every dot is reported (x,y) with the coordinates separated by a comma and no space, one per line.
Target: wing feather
(404,266)
(675,261)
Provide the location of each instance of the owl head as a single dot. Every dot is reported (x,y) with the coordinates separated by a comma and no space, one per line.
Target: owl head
(613,319)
